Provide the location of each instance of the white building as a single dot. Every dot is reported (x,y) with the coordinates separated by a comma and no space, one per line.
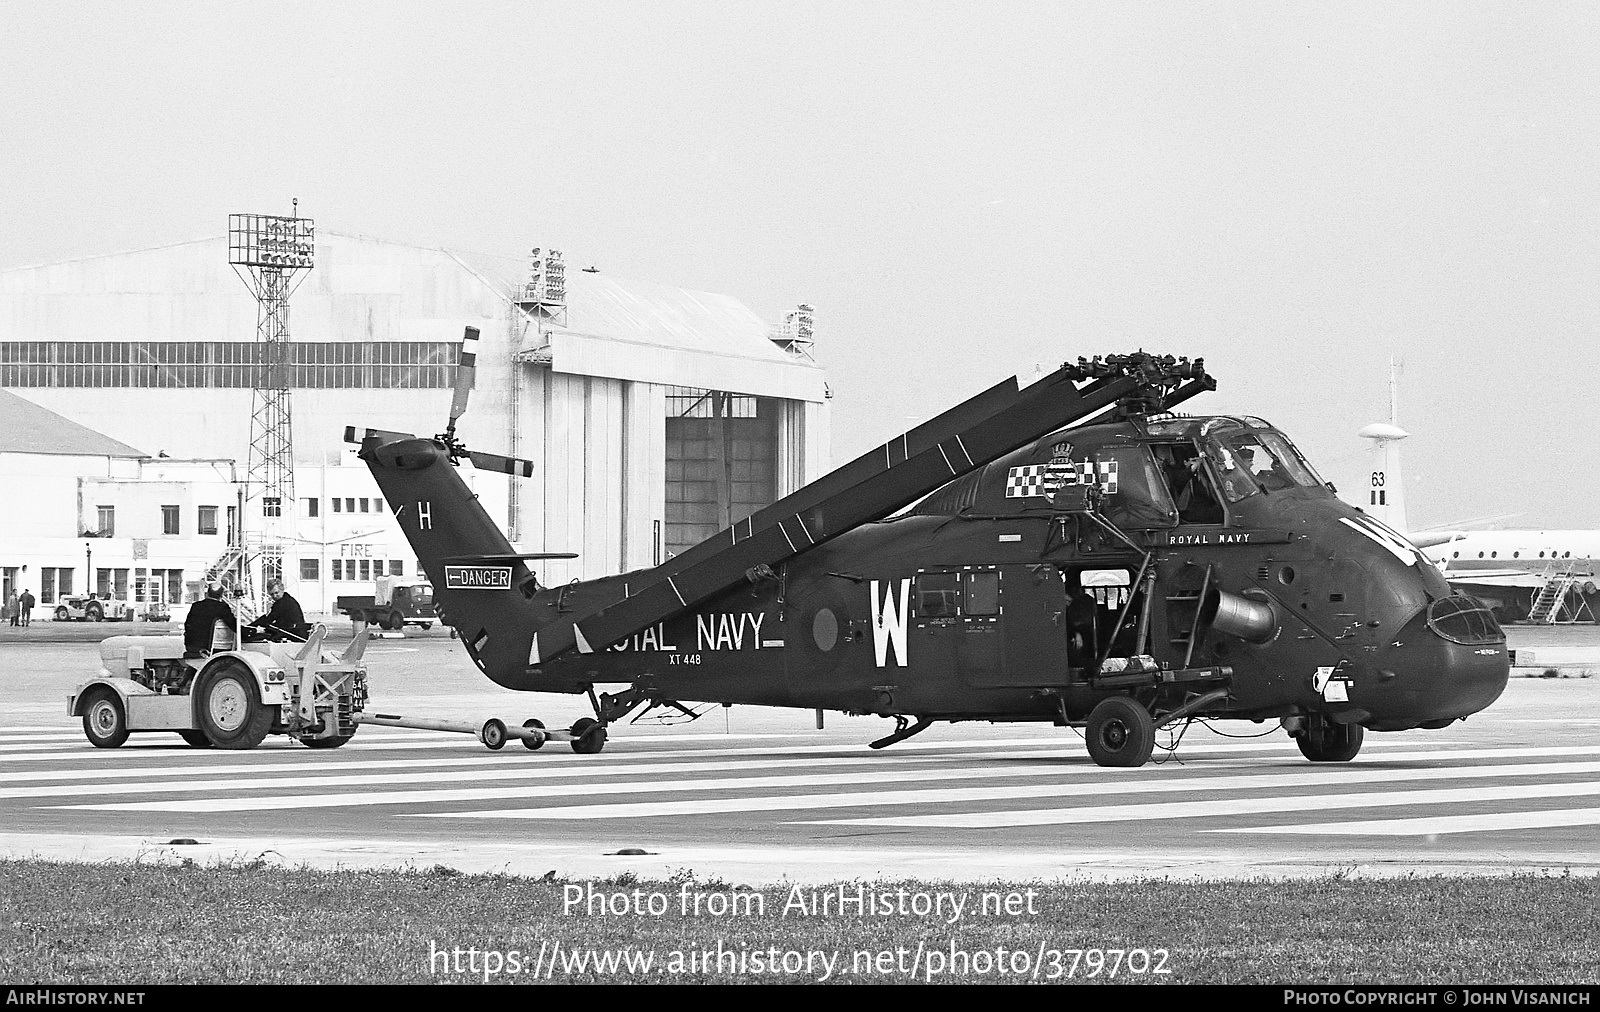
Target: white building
(654,415)
(85,513)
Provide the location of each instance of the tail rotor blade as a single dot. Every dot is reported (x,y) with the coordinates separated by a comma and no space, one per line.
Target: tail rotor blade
(466,373)
(507,465)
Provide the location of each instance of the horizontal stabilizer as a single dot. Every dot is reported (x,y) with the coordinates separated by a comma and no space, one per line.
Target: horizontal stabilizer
(508,557)
(505,465)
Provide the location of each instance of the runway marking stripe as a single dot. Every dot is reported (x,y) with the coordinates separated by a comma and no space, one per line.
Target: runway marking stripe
(1227,807)
(187,758)
(593,778)
(1245,782)
(575,766)
(1437,824)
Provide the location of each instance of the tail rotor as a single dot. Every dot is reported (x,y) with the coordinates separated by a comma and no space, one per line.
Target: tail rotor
(466,376)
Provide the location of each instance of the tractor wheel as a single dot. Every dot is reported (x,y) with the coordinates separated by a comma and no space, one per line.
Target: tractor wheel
(62,614)
(529,743)
(94,613)
(195,739)
(334,742)
(588,736)
(1323,741)
(231,714)
(1121,732)
(105,722)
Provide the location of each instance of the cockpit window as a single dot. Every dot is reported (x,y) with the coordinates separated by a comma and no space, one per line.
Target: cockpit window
(1464,620)
(1255,461)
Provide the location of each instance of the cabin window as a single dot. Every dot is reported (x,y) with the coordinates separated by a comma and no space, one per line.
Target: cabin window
(982,593)
(938,595)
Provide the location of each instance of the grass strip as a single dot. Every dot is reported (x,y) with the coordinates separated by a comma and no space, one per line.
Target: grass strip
(150,923)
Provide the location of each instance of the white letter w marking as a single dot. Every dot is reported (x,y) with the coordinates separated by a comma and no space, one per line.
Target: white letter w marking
(889,622)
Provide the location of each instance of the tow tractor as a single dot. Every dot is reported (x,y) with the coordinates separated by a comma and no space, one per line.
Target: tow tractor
(237,695)
(232,698)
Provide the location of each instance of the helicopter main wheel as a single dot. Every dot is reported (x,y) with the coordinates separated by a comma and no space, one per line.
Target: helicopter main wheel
(588,736)
(195,739)
(105,722)
(1121,732)
(529,743)
(1323,741)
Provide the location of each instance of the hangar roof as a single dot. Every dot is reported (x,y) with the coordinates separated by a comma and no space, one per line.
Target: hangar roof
(25,427)
(654,333)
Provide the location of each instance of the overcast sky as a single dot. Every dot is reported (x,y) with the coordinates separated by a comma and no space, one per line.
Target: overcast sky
(963,191)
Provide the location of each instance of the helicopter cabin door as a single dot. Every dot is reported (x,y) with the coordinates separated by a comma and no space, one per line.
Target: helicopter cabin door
(1002,626)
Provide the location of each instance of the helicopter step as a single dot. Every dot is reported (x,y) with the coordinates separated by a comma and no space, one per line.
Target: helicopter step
(586,736)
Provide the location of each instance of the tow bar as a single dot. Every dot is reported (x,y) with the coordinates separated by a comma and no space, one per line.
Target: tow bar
(492,732)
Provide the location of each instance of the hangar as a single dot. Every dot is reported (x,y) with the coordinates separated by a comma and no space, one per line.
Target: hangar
(654,415)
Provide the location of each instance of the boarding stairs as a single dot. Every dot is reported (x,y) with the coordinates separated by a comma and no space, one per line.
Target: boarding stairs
(872,487)
(1553,604)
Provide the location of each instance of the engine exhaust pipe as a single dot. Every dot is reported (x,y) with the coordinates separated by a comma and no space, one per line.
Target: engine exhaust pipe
(1251,621)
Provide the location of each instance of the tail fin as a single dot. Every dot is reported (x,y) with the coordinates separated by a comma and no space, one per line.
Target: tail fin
(481,586)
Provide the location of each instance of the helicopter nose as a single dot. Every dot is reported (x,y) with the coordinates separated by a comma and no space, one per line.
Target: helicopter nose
(1448,661)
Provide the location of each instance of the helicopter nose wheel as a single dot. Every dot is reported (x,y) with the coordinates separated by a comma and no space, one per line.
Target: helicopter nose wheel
(1120,732)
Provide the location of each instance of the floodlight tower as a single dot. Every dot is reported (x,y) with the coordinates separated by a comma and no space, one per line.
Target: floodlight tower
(271,250)
(542,302)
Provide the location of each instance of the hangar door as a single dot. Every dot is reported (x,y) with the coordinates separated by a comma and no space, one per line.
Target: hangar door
(721,462)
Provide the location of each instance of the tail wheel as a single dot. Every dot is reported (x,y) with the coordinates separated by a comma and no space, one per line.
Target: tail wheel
(334,742)
(105,722)
(195,739)
(1120,733)
(231,714)
(1326,742)
(529,742)
(588,736)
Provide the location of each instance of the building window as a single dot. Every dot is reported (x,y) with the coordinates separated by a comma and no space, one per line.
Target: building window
(349,504)
(309,567)
(47,585)
(271,506)
(337,504)
(349,569)
(397,568)
(311,506)
(207,520)
(336,571)
(106,521)
(363,505)
(169,520)
(366,570)
(377,505)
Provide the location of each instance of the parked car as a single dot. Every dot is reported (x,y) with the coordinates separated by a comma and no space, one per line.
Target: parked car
(88,608)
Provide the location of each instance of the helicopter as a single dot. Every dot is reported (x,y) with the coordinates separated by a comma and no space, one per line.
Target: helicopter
(1071,552)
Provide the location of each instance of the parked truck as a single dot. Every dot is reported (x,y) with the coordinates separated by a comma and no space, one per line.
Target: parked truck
(398,603)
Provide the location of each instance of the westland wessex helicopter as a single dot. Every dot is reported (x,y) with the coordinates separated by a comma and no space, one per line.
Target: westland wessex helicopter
(1070,552)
